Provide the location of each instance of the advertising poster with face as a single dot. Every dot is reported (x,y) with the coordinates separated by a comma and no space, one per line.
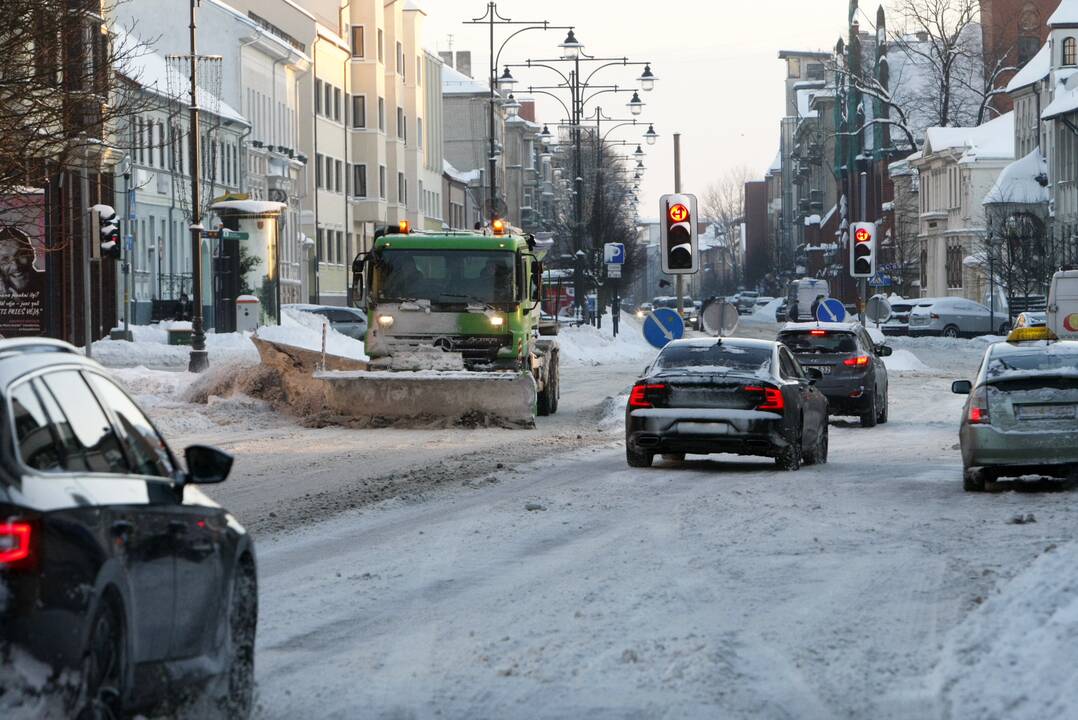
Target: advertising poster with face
(22,264)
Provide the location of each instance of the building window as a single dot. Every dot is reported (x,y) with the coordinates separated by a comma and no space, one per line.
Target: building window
(340,246)
(359,111)
(418,69)
(337,104)
(954,266)
(402,129)
(924,267)
(382,181)
(1028,46)
(318,171)
(402,189)
(400,59)
(419,132)
(337,172)
(382,114)
(381,52)
(359,180)
(357,42)
(321,245)
(327,103)
(1070,51)
(317,97)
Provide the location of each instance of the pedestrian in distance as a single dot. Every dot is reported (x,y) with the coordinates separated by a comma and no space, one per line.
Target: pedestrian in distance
(816,305)
(793,311)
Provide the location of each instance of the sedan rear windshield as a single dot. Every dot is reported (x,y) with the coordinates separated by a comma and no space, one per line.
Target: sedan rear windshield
(1044,362)
(830,343)
(716,358)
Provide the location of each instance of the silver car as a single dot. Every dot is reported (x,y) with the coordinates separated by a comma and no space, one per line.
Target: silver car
(345,320)
(1022,413)
(955,317)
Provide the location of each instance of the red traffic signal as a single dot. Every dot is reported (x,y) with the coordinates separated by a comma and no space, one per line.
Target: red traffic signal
(678,235)
(863,250)
(862,235)
(679,213)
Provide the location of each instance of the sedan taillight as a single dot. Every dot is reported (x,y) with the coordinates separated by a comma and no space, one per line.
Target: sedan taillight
(772,399)
(859,361)
(15,538)
(643,393)
(978,408)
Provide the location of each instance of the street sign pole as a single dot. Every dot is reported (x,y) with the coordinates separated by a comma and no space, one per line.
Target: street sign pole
(677,190)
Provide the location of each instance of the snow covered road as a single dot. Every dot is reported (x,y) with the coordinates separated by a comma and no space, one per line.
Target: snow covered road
(572,586)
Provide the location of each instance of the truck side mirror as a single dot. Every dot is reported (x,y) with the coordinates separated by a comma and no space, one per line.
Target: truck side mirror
(359,281)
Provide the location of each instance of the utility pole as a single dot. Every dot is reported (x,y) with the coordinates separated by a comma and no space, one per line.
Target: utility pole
(863,282)
(677,190)
(199,359)
(87,306)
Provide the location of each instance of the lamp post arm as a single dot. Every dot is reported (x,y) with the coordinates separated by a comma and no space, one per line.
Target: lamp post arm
(616,62)
(541,64)
(607,89)
(532,90)
(534,26)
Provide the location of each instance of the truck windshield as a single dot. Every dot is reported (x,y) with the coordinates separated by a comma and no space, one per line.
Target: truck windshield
(444,276)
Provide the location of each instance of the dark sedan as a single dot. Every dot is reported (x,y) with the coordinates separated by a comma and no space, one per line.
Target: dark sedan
(133,589)
(854,377)
(726,395)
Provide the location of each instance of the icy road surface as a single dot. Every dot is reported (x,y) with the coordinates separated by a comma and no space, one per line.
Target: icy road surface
(564,584)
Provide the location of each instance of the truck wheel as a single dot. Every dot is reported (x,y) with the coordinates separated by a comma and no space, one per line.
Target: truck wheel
(548,396)
(555,394)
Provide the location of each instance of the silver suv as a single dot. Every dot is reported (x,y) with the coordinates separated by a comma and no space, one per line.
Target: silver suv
(955,317)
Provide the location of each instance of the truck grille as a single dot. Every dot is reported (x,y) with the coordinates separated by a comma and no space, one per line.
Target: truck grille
(473,349)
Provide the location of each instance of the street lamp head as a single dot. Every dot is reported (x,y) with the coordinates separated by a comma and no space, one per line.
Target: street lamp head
(512,107)
(651,136)
(638,153)
(639,165)
(507,82)
(647,79)
(636,105)
(545,137)
(571,48)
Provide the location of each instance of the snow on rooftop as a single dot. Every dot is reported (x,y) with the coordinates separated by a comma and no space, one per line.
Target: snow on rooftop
(1018,182)
(455,82)
(1065,14)
(776,165)
(992,140)
(250,207)
(1065,101)
(804,102)
(1033,71)
(461,177)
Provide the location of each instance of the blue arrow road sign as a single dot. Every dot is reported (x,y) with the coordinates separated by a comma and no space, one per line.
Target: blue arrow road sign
(662,326)
(831,310)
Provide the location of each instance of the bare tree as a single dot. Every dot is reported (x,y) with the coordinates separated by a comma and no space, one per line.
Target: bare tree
(723,201)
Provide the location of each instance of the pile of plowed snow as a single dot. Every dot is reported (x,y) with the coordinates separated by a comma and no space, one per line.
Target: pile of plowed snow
(304,330)
(586,345)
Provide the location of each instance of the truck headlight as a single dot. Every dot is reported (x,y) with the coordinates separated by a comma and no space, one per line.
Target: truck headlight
(497,320)
(385,321)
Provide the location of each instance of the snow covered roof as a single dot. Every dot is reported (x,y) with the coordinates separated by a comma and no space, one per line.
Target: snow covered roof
(455,82)
(1064,101)
(250,207)
(1033,71)
(804,102)
(993,140)
(461,177)
(1065,14)
(776,165)
(151,71)
(1018,182)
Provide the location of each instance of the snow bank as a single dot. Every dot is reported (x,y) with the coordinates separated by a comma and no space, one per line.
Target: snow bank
(764,313)
(27,691)
(586,345)
(304,330)
(151,349)
(905,361)
(1013,657)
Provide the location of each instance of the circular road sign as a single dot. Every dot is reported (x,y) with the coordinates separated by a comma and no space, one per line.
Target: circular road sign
(831,310)
(720,318)
(663,325)
(878,310)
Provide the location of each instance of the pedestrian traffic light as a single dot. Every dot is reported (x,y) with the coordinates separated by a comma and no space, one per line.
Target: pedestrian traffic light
(109,228)
(678,239)
(863,250)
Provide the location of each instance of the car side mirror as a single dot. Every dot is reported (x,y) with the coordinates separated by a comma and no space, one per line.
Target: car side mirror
(884,351)
(961,387)
(207,465)
(813,374)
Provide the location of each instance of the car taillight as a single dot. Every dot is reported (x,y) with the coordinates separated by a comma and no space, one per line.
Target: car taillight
(773,399)
(15,540)
(859,361)
(641,395)
(817,332)
(934,316)
(978,408)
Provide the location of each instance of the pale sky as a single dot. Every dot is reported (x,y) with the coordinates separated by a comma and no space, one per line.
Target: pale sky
(721,82)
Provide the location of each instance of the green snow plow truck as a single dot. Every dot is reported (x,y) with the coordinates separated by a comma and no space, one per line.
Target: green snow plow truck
(453,329)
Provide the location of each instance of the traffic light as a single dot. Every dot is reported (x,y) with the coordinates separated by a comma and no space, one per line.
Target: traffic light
(678,241)
(863,250)
(109,228)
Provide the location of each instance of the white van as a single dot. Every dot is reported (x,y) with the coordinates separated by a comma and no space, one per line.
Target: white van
(805,291)
(1062,310)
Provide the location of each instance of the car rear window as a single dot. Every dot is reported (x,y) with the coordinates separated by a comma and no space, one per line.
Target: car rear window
(1047,361)
(828,343)
(720,357)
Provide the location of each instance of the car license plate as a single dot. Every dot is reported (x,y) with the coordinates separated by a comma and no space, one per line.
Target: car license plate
(824,369)
(703,428)
(1045,412)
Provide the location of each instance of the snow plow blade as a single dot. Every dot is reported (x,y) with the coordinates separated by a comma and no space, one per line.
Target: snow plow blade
(387,398)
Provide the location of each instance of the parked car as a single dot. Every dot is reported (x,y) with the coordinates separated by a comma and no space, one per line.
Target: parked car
(118,573)
(761,302)
(746,301)
(689,311)
(955,317)
(782,312)
(854,377)
(1030,320)
(644,309)
(726,395)
(899,322)
(1020,417)
(345,320)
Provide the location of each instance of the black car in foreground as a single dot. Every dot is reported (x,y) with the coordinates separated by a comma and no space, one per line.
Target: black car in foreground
(133,589)
(726,395)
(854,376)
